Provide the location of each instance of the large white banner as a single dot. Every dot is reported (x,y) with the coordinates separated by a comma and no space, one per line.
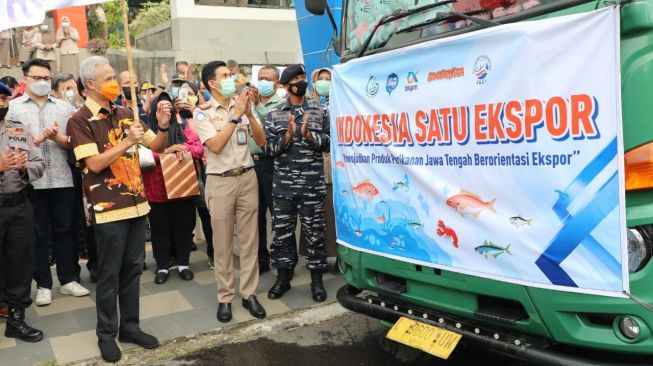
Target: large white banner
(496,153)
(20,13)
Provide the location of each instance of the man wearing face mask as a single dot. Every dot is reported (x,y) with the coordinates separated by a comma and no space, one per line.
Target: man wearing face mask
(266,99)
(47,117)
(297,135)
(104,138)
(125,98)
(64,87)
(224,127)
(20,164)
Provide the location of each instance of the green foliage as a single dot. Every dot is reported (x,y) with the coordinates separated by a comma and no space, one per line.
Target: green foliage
(150,15)
(113,10)
(94,25)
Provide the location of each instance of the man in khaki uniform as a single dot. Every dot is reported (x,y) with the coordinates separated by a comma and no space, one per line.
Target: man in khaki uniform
(225,127)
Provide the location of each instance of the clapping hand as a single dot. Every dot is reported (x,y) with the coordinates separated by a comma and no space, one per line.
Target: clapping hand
(163,114)
(21,160)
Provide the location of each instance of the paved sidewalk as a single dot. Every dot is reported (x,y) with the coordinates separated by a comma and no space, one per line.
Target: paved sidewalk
(174,309)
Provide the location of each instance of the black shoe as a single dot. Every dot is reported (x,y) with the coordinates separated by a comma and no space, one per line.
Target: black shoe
(193,247)
(224,312)
(317,287)
(186,274)
(281,285)
(255,308)
(161,277)
(17,328)
(109,350)
(93,273)
(140,338)
(83,254)
(262,268)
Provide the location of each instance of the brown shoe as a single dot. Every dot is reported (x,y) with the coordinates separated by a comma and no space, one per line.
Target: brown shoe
(4,311)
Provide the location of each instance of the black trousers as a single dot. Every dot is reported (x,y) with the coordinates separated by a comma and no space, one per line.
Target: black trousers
(172,224)
(205,219)
(264,168)
(120,255)
(17,253)
(53,217)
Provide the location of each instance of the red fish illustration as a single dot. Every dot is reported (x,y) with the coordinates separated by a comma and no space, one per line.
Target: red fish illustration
(366,190)
(469,203)
(340,164)
(447,232)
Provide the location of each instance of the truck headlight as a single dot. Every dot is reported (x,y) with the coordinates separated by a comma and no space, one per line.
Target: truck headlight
(639,249)
(629,327)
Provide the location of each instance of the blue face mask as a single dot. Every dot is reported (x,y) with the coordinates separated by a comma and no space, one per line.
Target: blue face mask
(207,95)
(175,92)
(265,88)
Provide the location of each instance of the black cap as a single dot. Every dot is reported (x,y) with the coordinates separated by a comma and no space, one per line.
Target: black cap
(292,71)
(4,89)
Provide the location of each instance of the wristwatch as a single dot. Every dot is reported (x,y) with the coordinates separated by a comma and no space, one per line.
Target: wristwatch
(162,129)
(235,121)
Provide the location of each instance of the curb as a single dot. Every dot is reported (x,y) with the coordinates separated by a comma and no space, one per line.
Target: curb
(236,333)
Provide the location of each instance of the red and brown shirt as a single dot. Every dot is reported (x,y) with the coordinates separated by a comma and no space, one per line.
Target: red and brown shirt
(117,192)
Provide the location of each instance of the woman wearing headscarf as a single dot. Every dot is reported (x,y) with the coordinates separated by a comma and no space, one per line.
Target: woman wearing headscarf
(45,42)
(172,221)
(321,80)
(67,37)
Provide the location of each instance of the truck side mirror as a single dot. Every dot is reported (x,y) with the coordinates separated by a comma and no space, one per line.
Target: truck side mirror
(315,7)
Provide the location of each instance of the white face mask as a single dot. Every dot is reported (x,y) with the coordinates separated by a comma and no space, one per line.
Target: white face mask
(40,88)
(70,94)
(65,25)
(282,93)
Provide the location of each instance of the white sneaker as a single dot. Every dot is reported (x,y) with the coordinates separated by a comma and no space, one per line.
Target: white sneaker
(43,297)
(75,289)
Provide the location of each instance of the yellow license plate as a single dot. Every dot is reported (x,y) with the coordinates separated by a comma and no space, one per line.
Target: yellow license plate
(436,341)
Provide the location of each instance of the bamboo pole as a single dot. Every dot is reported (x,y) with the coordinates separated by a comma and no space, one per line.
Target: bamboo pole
(130,62)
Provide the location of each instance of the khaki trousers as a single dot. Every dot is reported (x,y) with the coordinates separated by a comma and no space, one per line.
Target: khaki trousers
(228,199)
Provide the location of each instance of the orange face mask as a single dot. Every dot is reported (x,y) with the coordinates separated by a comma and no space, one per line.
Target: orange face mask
(110,90)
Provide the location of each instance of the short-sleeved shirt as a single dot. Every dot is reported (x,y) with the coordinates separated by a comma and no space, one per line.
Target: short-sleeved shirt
(14,135)
(262,111)
(37,118)
(116,193)
(209,122)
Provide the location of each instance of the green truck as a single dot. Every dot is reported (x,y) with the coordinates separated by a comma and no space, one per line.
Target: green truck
(539,325)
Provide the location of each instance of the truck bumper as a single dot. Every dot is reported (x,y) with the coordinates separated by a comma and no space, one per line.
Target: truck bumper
(518,346)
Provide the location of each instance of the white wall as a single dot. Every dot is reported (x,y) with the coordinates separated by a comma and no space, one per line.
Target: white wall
(248,35)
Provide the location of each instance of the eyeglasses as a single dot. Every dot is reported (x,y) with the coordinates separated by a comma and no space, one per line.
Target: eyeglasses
(40,78)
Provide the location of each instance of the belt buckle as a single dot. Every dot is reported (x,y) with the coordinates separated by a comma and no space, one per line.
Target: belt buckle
(238,172)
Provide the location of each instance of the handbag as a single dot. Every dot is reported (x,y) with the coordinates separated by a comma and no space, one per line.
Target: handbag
(145,158)
(179,177)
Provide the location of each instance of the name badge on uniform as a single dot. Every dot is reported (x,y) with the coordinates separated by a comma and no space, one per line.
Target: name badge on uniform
(241,136)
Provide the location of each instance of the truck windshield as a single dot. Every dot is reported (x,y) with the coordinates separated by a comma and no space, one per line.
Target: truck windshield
(363,15)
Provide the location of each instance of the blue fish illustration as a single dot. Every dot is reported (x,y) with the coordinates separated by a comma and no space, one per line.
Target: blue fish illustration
(492,249)
(404,184)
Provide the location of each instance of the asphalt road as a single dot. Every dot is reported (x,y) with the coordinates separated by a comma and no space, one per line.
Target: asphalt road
(350,340)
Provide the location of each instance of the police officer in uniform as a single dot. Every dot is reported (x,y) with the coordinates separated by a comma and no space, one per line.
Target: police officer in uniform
(297,134)
(20,164)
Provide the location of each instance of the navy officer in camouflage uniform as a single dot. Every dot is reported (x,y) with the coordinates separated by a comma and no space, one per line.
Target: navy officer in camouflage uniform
(297,134)
(20,163)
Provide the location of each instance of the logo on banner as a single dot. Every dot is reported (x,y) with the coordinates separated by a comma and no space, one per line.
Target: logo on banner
(393,82)
(372,87)
(412,81)
(482,68)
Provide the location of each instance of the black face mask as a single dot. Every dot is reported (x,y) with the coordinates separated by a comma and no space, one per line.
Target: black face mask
(300,86)
(185,113)
(128,92)
(3,113)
